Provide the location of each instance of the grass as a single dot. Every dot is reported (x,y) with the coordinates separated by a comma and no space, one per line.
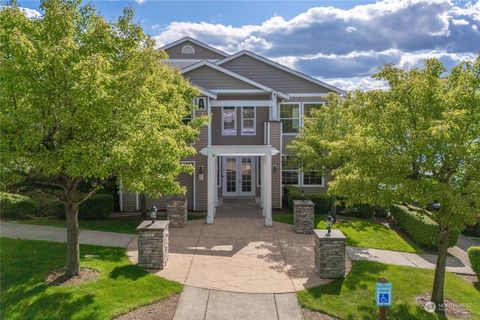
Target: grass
(122,225)
(120,288)
(362,233)
(354,296)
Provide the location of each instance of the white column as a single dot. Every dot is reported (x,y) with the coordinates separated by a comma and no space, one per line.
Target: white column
(217,163)
(211,164)
(268,190)
(263,162)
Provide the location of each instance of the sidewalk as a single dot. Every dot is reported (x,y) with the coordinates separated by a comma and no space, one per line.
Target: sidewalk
(57,234)
(205,304)
(455,264)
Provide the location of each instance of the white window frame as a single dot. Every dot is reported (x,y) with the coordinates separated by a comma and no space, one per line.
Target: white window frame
(299,117)
(254,121)
(188,47)
(312,185)
(302,121)
(234,123)
(297,170)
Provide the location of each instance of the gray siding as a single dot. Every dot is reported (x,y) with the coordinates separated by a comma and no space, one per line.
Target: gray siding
(175,52)
(262,115)
(129,201)
(244,97)
(275,141)
(271,77)
(185,180)
(209,78)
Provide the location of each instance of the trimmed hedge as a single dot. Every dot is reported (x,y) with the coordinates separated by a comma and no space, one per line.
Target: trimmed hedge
(474,256)
(320,200)
(15,205)
(366,211)
(98,206)
(421,228)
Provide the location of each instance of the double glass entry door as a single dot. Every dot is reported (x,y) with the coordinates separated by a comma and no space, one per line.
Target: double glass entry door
(238,176)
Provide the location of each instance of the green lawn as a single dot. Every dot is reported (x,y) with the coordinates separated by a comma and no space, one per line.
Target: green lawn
(120,288)
(122,225)
(354,296)
(362,233)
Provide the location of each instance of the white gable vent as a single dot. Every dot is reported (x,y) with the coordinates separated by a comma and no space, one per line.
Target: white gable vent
(188,49)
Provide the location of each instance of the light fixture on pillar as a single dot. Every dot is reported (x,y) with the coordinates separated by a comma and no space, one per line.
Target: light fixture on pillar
(329,221)
(153,214)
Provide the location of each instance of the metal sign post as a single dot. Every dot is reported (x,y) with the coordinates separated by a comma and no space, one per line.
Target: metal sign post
(383,297)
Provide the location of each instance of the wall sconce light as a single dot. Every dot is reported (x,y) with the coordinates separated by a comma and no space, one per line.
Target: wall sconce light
(200,170)
(274,168)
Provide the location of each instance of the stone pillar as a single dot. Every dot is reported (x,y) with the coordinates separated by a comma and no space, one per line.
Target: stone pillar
(330,254)
(177,212)
(304,216)
(153,244)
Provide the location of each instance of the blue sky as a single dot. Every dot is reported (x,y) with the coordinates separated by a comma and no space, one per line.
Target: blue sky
(341,42)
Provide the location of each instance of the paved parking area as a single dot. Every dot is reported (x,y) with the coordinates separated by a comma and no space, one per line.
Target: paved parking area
(238,254)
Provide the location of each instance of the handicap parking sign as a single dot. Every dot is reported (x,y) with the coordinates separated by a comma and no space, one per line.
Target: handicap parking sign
(384,294)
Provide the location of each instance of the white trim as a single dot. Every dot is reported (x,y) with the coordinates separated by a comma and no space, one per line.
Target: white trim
(254,121)
(201,44)
(137,202)
(189,60)
(238,177)
(241,103)
(231,74)
(280,167)
(307,95)
(237,91)
(194,182)
(239,150)
(189,48)
(209,126)
(234,122)
(206,92)
(282,67)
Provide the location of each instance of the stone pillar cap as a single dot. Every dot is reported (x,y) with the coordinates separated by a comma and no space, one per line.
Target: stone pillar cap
(335,234)
(303,202)
(148,225)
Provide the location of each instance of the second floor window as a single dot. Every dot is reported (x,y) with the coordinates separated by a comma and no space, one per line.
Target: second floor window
(229,121)
(290,117)
(248,121)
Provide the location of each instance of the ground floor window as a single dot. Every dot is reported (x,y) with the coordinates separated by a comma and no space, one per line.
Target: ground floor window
(312,178)
(290,172)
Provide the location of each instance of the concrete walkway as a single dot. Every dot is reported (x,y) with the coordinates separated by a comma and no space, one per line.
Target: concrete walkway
(424,261)
(205,304)
(57,234)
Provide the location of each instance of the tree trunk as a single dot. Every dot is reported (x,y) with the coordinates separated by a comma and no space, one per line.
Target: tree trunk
(439,279)
(73,248)
(333,208)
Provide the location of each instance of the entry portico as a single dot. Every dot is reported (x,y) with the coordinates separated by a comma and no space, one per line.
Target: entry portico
(265,152)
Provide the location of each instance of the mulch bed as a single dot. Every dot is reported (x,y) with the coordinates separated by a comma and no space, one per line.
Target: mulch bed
(162,310)
(314,315)
(59,278)
(452,309)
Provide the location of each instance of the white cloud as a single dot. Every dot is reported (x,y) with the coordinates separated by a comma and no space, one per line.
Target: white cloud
(29,13)
(140,1)
(334,43)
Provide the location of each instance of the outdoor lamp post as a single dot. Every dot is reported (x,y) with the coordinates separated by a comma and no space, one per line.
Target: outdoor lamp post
(329,221)
(153,214)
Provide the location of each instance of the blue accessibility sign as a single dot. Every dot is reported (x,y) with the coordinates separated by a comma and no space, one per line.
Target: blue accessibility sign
(384,294)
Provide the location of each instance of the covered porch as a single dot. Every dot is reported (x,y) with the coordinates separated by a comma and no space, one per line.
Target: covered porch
(264,152)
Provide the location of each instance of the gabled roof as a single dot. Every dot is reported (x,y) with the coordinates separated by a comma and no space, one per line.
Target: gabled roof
(198,43)
(281,67)
(232,74)
(206,92)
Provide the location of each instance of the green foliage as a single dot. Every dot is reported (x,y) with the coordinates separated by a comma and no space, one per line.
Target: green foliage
(321,201)
(47,205)
(366,211)
(120,287)
(86,99)
(474,256)
(98,206)
(16,205)
(354,296)
(417,224)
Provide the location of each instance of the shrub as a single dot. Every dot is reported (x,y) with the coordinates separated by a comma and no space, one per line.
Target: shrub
(421,228)
(15,205)
(47,205)
(474,256)
(366,211)
(320,200)
(98,206)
